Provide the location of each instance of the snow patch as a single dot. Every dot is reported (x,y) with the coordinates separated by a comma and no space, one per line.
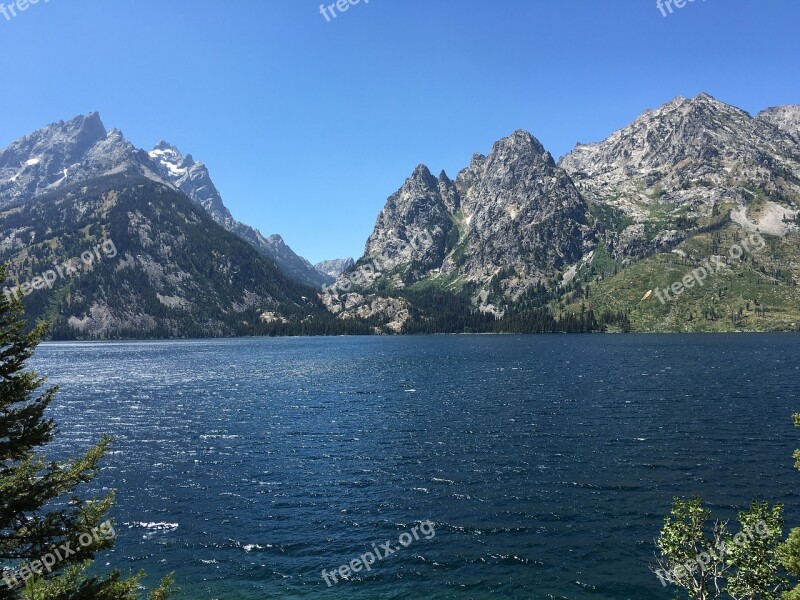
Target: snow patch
(168,159)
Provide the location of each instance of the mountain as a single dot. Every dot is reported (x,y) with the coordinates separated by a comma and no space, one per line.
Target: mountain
(513,211)
(509,221)
(193,179)
(520,243)
(785,118)
(64,153)
(687,159)
(105,242)
(688,219)
(81,149)
(122,256)
(335,267)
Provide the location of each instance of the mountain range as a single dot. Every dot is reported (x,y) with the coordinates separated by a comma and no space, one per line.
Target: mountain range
(515,242)
(184,267)
(526,239)
(81,149)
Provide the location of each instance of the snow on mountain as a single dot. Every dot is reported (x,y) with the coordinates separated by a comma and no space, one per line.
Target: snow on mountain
(81,149)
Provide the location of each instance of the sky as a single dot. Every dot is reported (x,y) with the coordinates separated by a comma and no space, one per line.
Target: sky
(307,124)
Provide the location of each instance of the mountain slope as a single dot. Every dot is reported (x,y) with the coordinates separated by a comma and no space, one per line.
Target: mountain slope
(585,245)
(513,210)
(785,118)
(66,153)
(173,271)
(334,267)
(686,159)
(193,179)
(508,222)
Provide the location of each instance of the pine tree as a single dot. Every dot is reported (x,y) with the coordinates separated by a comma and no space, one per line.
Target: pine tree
(49,534)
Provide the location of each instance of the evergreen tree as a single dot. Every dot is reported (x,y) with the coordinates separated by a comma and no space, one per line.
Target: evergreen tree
(49,534)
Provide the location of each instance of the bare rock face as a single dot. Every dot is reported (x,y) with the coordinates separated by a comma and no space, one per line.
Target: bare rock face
(785,118)
(519,211)
(690,155)
(514,209)
(418,210)
(392,313)
(193,179)
(65,153)
(334,267)
(82,150)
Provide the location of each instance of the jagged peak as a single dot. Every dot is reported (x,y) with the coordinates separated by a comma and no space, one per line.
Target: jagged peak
(422,171)
(477,159)
(522,140)
(82,126)
(522,134)
(700,101)
(170,153)
(422,176)
(92,117)
(165,146)
(701,97)
(706,99)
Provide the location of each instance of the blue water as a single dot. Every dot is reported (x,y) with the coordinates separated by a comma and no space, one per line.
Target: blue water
(545,463)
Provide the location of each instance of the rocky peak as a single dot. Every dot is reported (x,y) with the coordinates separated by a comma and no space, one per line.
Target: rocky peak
(81,149)
(690,153)
(194,180)
(449,193)
(334,267)
(165,146)
(694,128)
(88,130)
(497,211)
(115,134)
(421,208)
(521,211)
(168,155)
(68,139)
(785,118)
(422,177)
(62,153)
(520,142)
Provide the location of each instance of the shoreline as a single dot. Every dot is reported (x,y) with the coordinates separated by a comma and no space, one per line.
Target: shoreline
(413,335)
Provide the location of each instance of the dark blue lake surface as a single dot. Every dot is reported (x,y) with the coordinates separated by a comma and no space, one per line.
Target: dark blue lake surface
(546,463)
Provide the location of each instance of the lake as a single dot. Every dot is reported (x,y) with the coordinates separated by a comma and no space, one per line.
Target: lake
(544,464)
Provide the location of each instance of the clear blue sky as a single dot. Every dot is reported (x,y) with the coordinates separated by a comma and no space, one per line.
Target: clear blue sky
(307,126)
